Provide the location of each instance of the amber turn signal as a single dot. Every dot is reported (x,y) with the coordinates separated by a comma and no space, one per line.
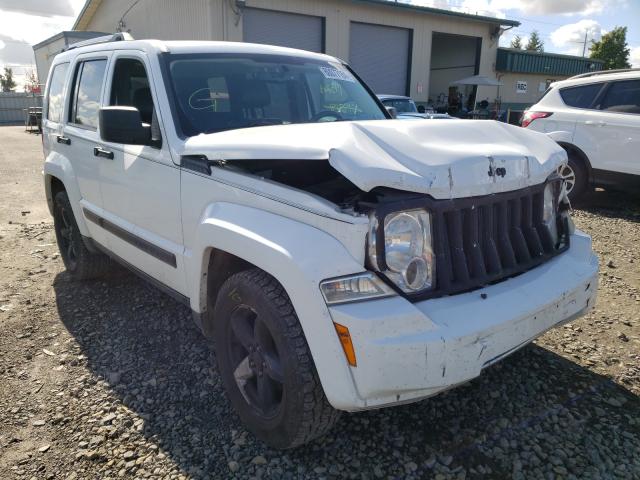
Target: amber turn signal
(347,345)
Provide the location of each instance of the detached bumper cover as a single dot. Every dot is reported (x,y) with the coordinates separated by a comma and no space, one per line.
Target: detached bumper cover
(410,351)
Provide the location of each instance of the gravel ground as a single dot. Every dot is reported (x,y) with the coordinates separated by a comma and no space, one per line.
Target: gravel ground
(110,379)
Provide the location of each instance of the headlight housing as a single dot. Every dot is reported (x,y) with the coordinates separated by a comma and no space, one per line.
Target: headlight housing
(407,250)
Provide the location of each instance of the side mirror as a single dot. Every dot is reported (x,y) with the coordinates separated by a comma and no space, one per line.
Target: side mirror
(392,111)
(123,125)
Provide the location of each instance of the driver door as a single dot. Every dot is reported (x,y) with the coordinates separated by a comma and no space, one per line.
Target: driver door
(140,183)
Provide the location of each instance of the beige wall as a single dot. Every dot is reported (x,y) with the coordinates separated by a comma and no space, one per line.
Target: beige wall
(44,57)
(215,20)
(508,91)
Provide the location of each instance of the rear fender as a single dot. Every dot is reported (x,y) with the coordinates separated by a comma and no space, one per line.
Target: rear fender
(58,166)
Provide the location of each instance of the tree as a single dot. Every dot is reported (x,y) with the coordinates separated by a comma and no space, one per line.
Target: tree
(31,84)
(535,44)
(7,83)
(516,42)
(612,48)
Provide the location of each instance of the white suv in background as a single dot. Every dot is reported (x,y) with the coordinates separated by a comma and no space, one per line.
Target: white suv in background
(595,117)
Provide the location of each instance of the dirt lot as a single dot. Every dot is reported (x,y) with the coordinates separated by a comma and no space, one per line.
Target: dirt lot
(109,379)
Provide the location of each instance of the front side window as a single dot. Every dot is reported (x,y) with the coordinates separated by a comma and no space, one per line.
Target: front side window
(130,87)
(55,99)
(582,96)
(623,97)
(401,105)
(217,92)
(89,78)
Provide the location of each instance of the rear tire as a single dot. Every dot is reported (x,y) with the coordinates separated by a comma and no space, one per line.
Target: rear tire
(78,260)
(575,176)
(265,362)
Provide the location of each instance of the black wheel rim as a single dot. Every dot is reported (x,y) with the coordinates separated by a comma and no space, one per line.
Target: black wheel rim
(256,363)
(66,237)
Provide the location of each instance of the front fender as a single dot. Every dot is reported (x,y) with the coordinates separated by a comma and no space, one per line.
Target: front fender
(299,256)
(58,166)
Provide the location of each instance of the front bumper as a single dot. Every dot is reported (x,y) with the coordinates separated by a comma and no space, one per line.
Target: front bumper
(408,351)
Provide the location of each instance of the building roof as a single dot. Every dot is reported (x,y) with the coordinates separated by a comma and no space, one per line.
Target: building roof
(524,61)
(440,11)
(91,6)
(74,34)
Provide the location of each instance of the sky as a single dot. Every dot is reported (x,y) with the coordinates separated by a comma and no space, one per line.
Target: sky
(562,24)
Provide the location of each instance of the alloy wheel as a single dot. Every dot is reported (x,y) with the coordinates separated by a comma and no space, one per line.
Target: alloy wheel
(569,176)
(257,365)
(67,244)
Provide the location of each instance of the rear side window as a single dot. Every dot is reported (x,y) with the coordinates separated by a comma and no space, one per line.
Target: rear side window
(55,100)
(582,96)
(622,97)
(86,105)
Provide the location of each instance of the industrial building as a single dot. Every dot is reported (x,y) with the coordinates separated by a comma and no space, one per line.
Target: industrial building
(397,48)
(45,50)
(525,75)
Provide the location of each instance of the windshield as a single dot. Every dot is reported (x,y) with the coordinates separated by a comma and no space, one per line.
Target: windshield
(216,92)
(401,105)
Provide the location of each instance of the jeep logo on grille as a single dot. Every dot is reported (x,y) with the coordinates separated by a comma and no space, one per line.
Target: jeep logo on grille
(500,171)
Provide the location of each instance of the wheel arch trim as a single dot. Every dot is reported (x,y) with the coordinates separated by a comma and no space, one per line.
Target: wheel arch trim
(583,157)
(59,168)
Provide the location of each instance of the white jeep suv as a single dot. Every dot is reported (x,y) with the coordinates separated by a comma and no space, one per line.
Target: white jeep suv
(595,117)
(341,260)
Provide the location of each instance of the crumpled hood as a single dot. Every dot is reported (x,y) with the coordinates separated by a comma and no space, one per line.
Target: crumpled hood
(441,158)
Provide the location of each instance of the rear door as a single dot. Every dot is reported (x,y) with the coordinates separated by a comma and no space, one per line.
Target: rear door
(52,120)
(580,109)
(617,128)
(81,132)
(140,183)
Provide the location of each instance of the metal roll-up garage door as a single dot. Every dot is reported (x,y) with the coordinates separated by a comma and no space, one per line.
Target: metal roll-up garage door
(283,29)
(380,56)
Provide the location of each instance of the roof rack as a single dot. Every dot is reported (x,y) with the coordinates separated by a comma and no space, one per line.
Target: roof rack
(116,37)
(604,72)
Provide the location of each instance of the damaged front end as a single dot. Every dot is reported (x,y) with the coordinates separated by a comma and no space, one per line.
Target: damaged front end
(424,247)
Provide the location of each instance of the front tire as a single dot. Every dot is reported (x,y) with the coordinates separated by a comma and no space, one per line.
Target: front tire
(265,362)
(78,260)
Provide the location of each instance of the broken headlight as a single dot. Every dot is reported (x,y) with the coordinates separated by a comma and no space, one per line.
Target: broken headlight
(408,259)
(556,213)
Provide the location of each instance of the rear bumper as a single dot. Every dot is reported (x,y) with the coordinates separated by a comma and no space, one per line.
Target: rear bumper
(407,351)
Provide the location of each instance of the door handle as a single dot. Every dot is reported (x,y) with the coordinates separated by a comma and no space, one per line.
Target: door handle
(63,139)
(598,123)
(101,152)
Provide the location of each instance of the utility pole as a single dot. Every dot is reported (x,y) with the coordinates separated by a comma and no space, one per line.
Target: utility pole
(583,42)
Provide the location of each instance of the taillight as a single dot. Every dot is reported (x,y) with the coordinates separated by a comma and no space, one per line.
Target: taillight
(529,117)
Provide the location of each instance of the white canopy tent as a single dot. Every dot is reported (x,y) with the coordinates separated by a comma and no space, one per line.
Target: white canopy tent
(479,81)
